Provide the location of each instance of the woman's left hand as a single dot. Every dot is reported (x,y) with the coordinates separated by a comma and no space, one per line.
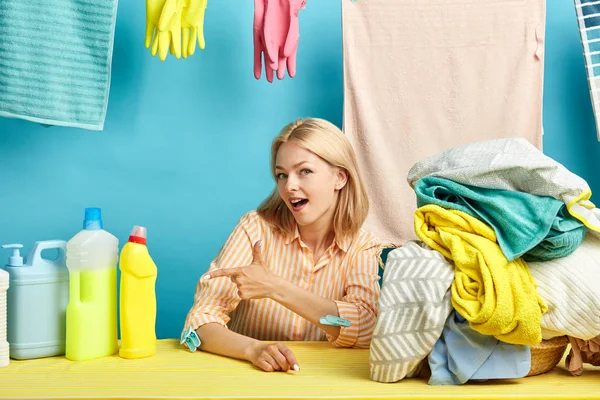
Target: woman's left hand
(253,281)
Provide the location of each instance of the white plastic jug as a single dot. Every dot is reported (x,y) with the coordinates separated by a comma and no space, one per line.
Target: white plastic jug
(37,297)
(4,352)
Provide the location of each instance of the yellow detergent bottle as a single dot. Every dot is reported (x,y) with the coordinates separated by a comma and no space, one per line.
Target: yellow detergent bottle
(92,256)
(138,297)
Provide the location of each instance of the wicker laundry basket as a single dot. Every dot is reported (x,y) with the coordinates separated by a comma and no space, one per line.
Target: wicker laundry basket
(547,355)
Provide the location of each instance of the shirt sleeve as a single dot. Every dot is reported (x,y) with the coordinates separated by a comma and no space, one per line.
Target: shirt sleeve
(215,298)
(359,304)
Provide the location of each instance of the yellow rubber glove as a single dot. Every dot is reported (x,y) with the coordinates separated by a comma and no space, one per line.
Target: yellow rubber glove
(153,10)
(192,25)
(168,35)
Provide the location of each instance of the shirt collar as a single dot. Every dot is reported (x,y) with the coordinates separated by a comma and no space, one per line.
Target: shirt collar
(289,238)
(342,243)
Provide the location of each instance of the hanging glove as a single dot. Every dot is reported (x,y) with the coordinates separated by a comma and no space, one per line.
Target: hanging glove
(281,34)
(192,25)
(153,10)
(259,43)
(168,35)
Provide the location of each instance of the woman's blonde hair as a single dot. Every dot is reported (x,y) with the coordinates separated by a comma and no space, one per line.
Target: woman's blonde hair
(329,143)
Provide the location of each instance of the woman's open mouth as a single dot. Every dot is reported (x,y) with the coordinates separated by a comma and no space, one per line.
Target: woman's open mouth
(298,204)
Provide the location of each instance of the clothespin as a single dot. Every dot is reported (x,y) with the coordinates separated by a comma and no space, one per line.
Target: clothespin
(334,321)
(191,339)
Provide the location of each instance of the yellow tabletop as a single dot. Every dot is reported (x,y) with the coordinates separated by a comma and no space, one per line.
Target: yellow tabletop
(326,372)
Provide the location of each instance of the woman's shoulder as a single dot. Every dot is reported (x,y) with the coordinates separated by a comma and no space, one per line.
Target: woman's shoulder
(253,220)
(363,240)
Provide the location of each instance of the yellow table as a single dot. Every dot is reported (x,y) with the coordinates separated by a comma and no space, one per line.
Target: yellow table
(326,372)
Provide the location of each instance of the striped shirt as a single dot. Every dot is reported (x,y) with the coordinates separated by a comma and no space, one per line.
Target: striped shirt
(346,273)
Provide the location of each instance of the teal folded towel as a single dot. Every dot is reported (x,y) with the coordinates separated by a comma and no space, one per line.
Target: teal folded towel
(535,227)
(55,60)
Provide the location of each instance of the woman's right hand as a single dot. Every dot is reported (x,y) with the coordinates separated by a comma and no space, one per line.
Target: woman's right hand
(273,357)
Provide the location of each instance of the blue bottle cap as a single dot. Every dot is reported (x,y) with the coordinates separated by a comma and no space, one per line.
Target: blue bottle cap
(93,218)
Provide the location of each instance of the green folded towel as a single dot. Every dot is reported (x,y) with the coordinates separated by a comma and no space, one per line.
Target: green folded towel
(535,227)
(55,60)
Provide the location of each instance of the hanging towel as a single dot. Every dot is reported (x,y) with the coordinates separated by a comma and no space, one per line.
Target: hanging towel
(497,297)
(511,164)
(421,77)
(569,286)
(523,222)
(55,60)
(413,307)
(461,354)
(588,19)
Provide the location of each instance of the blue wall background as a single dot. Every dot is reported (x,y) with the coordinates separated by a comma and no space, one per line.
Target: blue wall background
(185,147)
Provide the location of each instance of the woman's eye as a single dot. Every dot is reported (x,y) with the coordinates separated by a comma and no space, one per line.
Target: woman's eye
(281,176)
(305,171)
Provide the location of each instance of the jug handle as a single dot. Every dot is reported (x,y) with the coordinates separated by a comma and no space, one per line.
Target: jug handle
(38,247)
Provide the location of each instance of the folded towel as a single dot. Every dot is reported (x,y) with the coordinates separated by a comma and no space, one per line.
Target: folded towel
(55,60)
(589,32)
(569,286)
(413,307)
(565,236)
(511,164)
(523,222)
(423,76)
(498,297)
(461,354)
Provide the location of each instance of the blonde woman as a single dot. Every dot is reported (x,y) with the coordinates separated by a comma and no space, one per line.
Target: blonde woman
(301,256)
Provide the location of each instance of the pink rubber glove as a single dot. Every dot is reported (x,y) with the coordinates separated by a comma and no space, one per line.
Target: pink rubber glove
(282,33)
(259,43)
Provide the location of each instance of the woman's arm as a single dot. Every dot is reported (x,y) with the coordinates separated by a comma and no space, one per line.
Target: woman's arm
(217,339)
(306,304)
(214,300)
(359,304)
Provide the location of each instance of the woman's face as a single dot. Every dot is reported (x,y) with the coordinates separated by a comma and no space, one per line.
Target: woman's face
(308,185)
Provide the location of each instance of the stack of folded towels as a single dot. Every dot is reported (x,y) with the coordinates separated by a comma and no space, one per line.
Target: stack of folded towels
(509,254)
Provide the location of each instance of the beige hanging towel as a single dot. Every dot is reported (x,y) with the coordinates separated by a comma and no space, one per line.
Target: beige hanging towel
(421,77)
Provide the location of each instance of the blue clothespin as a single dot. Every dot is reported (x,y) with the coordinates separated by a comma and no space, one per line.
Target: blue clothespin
(334,321)
(191,339)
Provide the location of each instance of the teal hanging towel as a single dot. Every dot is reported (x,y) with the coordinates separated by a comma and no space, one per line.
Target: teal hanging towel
(55,60)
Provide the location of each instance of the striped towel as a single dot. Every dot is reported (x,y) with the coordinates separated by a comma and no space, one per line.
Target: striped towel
(588,18)
(55,60)
(569,286)
(413,307)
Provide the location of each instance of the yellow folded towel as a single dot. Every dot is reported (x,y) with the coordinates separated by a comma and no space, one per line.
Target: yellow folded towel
(497,297)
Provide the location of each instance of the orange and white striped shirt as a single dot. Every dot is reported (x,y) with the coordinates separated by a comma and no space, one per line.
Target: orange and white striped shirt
(346,274)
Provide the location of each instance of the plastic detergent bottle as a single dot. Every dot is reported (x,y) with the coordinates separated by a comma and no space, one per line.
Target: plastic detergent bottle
(4,356)
(138,297)
(92,256)
(36,301)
